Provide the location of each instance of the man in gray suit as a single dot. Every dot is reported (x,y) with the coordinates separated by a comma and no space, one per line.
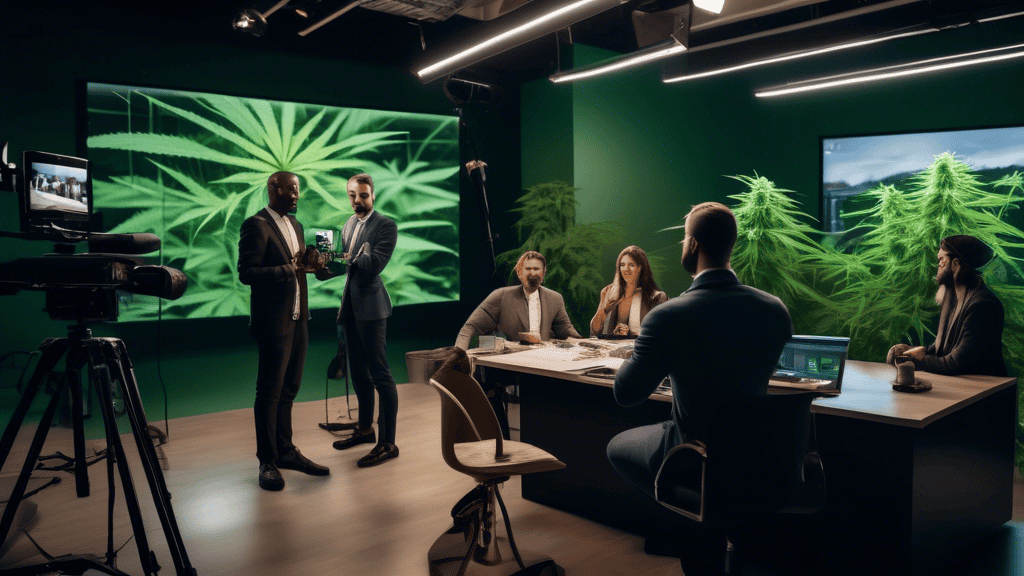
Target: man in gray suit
(368,241)
(719,341)
(529,307)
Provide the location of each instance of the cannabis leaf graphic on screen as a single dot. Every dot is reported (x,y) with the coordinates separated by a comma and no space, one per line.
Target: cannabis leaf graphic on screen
(190,167)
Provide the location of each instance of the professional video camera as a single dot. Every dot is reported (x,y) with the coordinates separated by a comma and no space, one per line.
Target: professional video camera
(55,203)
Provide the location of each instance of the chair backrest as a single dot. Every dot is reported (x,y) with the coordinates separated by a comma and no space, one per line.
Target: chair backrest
(754,453)
(466,415)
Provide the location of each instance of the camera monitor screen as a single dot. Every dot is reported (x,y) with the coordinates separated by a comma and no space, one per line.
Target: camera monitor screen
(190,167)
(57,191)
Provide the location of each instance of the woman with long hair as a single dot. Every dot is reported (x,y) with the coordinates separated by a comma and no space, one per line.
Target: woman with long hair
(631,295)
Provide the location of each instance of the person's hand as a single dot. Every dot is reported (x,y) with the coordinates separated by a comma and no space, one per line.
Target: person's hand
(917,353)
(345,256)
(312,260)
(621,329)
(895,351)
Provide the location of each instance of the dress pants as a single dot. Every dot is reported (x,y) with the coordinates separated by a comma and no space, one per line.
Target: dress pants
(637,454)
(281,357)
(367,356)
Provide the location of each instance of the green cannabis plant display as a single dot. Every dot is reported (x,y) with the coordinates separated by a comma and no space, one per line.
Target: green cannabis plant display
(876,282)
(190,167)
(573,251)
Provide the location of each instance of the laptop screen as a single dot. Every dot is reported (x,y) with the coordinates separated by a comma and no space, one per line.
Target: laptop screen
(815,362)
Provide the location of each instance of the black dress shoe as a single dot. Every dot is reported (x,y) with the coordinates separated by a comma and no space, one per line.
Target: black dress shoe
(294,460)
(381,453)
(367,437)
(270,477)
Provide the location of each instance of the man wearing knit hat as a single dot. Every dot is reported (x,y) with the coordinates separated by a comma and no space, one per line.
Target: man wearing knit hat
(970,335)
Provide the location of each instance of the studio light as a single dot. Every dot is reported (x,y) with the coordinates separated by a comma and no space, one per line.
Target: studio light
(713,6)
(649,54)
(514,29)
(250,21)
(794,56)
(899,71)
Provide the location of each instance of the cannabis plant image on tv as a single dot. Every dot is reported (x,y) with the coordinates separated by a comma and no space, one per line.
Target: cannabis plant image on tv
(190,167)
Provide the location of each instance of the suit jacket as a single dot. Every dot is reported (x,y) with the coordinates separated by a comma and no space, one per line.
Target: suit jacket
(718,341)
(363,287)
(973,342)
(507,310)
(263,256)
(611,318)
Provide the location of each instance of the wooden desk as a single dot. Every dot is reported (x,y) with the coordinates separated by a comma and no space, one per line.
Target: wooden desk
(913,479)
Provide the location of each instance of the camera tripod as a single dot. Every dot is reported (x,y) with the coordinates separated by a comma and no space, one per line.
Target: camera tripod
(109,365)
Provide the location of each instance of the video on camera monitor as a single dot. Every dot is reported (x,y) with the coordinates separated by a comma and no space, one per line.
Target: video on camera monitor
(57,191)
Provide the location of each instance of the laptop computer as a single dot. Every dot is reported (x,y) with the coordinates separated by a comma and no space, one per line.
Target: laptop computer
(812,363)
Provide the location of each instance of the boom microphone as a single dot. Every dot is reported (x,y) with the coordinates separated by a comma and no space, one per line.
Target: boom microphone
(124,243)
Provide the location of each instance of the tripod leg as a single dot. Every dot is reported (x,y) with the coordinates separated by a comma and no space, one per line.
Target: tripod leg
(115,451)
(117,357)
(73,373)
(52,350)
(26,471)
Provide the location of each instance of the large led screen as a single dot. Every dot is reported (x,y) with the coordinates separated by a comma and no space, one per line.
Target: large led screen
(190,167)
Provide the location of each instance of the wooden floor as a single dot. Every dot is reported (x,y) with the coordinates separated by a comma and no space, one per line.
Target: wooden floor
(376,521)
(379,520)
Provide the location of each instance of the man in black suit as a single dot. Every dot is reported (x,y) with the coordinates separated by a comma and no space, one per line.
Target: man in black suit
(368,239)
(269,253)
(718,341)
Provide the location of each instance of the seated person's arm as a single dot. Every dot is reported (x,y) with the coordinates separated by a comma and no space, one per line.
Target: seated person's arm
(640,375)
(982,322)
(483,320)
(597,322)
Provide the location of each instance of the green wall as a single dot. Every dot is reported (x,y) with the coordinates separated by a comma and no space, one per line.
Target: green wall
(644,151)
(210,365)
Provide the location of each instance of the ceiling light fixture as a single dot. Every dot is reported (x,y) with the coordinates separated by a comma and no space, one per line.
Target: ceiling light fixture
(651,53)
(899,71)
(713,6)
(795,56)
(254,22)
(516,28)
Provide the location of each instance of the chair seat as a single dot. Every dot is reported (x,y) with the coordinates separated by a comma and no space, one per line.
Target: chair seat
(478,458)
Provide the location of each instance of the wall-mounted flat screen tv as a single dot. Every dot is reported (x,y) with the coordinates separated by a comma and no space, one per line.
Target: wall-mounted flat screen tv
(191,166)
(851,166)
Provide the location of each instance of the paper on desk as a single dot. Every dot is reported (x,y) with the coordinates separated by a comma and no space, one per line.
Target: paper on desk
(562,359)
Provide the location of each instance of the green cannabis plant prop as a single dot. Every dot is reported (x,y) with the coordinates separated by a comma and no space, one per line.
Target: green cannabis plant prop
(573,251)
(776,253)
(876,283)
(191,167)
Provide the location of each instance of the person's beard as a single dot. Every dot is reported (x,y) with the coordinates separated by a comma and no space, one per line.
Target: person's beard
(533,282)
(946,283)
(360,209)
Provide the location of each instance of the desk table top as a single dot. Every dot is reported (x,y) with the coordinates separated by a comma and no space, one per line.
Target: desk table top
(867,392)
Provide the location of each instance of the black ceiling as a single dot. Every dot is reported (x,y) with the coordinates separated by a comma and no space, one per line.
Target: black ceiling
(374,37)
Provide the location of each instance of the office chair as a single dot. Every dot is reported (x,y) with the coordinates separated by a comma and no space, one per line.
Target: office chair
(471,443)
(750,462)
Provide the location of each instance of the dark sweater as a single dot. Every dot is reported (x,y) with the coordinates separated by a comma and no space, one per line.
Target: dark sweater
(973,342)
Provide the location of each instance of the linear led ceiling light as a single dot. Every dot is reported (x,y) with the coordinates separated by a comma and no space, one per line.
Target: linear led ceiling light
(795,56)
(655,52)
(899,71)
(516,28)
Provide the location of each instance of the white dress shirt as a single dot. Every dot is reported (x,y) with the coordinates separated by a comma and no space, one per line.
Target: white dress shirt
(285,226)
(533,301)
